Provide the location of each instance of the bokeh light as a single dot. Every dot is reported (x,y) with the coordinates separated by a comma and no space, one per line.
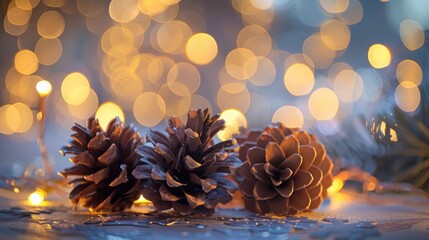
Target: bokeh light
(108,111)
(334,6)
(234,122)
(48,51)
(348,85)
(379,56)
(409,70)
(75,88)
(290,116)
(241,63)
(412,34)
(299,79)
(149,109)
(335,34)
(407,96)
(323,104)
(123,10)
(201,48)
(26,62)
(51,25)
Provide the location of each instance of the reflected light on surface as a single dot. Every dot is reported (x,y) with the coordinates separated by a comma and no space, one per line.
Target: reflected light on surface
(234,122)
(108,111)
(44,88)
(379,56)
(141,200)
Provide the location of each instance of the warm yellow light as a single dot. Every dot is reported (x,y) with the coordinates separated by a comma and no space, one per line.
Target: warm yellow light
(234,121)
(16,190)
(392,132)
(407,96)
(412,34)
(75,88)
(44,88)
(26,62)
(348,85)
(36,198)
(123,10)
(201,48)
(409,70)
(149,109)
(299,79)
(19,117)
(50,25)
(241,63)
(107,111)
(141,200)
(379,56)
(290,116)
(335,34)
(323,104)
(334,6)
(336,186)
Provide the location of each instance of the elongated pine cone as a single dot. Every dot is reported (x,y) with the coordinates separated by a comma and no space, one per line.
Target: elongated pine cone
(185,170)
(285,171)
(103,162)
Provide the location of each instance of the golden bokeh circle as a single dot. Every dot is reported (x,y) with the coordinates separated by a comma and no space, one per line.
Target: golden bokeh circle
(323,104)
(201,48)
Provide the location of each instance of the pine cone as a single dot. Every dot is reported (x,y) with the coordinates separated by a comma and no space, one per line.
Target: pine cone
(103,162)
(185,170)
(284,171)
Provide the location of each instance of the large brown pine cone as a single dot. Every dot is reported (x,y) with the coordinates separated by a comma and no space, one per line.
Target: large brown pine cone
(103,162)
(284,171)
(185,170)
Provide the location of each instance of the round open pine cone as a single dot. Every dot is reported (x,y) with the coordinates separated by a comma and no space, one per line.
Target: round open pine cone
(285,171)
(103,162)
(185,170)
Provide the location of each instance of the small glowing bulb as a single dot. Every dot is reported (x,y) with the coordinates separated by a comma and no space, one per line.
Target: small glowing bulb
(16,190)
(36,198)
(44,88)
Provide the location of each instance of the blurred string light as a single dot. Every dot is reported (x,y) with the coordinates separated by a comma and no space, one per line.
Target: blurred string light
(44,87)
